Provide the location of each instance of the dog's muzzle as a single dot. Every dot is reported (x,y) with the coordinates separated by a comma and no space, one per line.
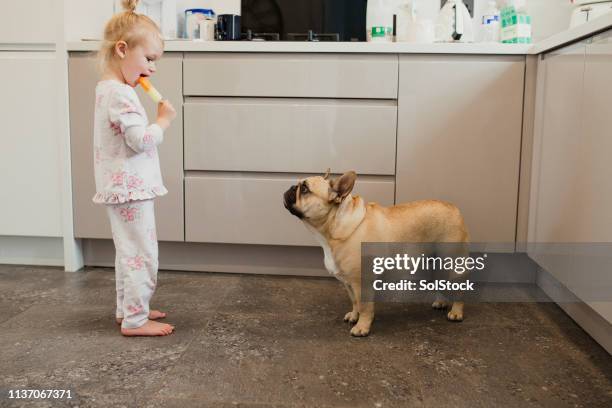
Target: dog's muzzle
(289,199)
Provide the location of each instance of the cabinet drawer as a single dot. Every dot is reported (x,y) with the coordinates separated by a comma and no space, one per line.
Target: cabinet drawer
(290,135)
(291,75)
(248,209)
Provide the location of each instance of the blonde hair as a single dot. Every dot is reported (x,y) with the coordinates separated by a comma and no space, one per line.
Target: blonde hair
(127,26)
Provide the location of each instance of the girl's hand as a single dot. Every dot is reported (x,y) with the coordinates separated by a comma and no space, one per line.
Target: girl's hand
(165,114)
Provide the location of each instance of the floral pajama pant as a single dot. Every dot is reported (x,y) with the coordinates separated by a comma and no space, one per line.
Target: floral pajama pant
(136,259)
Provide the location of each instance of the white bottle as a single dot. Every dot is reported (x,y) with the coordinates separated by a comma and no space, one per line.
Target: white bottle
(406,19)
(379,21)
(490,24)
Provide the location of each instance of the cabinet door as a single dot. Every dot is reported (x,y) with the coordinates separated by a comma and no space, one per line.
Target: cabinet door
(29,156)
(28,22)
(459,137)
(90,220)
(571,220)
(558,147)
(594,169)
(593,218)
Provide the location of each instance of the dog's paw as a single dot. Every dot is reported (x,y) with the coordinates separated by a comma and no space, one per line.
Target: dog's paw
(360,330)
(351,317)
(455,316)
(439,304)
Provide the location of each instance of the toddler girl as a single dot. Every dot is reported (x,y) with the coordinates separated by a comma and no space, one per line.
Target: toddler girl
(126,164)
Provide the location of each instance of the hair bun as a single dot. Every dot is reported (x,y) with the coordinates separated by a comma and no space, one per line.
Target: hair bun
(130,5)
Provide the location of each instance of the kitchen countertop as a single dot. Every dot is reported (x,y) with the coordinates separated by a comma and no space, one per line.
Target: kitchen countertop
(573,34)
(326,47)
(565,37)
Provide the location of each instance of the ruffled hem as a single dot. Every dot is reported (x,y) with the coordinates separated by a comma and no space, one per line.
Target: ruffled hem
(111,197)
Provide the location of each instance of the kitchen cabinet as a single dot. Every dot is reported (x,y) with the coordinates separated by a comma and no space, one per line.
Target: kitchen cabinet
(29,155)
(90,220)
(28,22)
(459,137)
(449,129)
(570,221)
(557,146)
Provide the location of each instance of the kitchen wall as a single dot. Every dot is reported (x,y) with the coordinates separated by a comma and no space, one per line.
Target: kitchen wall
(26,22)
(549,17)
(86,18)
(426,8)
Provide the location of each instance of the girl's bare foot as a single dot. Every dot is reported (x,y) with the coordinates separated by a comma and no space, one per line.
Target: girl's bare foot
(153,315)
(150,328)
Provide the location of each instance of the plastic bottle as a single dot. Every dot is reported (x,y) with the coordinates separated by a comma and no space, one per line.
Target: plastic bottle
(406,16)
(489,29)
(379,21)
(404,20)
(515,23)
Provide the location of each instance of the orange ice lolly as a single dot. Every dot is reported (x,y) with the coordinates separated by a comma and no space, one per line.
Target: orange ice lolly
(150,89)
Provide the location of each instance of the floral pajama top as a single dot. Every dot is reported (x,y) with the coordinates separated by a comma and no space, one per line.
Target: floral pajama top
(126,162)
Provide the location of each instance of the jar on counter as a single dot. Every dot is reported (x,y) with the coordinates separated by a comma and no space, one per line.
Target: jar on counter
(193,18)
(207,29)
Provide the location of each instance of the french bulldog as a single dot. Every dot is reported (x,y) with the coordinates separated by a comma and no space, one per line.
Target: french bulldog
(341,222)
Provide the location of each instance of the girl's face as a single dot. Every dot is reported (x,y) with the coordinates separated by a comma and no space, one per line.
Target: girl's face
(138,60)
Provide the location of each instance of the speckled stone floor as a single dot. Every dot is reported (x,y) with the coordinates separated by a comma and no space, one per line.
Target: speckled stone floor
(261,341)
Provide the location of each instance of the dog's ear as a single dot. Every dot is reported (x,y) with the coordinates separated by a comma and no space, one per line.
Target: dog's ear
(327,173)
(342,186)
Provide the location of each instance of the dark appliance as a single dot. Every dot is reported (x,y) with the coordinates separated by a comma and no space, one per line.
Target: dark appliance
(304,20)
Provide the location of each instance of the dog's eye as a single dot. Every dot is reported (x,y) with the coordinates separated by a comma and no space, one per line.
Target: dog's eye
(304,189)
